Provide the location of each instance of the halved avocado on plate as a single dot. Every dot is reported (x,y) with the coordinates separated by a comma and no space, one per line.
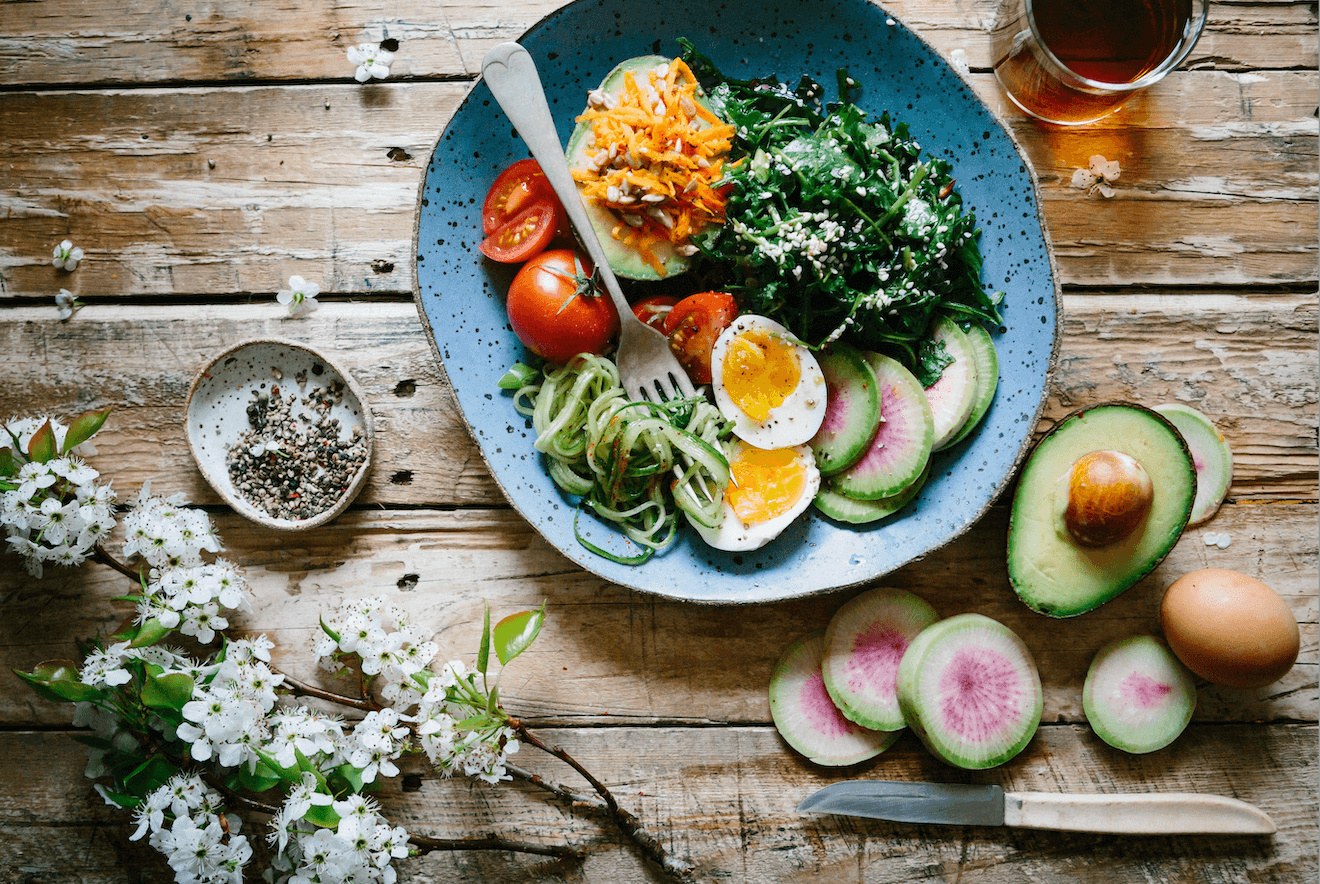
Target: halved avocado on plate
(624,261)
(1075,542)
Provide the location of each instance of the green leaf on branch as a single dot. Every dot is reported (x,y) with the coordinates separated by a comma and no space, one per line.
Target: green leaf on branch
(515,633)
(328,631)
(288,774)
(149,633)
(167,691)
(259,779)
(8,466)
(483,653)
(83,428)
(493,700)
(120,798)
(322,815)
(59,683)
(41,447)
(151,775)
(351,777)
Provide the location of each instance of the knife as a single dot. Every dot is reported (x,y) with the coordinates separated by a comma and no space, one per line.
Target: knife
(1156,813)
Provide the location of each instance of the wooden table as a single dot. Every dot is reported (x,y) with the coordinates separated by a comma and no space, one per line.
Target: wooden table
(201,153)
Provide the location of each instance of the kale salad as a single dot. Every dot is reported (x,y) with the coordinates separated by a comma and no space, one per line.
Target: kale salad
(836,225)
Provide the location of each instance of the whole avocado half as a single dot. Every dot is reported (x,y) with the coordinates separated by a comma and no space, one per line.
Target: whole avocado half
(1051,573)
(624,261)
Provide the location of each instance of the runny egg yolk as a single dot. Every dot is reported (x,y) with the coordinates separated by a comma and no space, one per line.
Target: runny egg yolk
(765,483)
(760,371)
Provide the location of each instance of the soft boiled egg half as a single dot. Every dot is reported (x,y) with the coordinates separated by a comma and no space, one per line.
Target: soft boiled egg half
(766,384)
(768,489)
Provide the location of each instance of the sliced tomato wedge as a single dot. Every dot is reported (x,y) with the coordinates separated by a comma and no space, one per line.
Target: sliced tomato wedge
(524,236)
(515,190)
(654,310)
(693,325)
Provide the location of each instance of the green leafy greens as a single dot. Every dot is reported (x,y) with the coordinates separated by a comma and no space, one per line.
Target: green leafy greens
(836,226)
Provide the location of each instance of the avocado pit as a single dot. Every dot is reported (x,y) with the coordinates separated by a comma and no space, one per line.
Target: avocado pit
(1109,493)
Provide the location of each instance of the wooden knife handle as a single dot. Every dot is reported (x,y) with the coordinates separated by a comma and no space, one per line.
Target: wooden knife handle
(1142,814)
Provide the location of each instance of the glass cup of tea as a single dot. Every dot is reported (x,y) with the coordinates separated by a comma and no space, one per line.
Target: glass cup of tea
(1075,61)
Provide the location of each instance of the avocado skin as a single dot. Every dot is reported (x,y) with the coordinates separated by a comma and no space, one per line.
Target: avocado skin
(1048,571)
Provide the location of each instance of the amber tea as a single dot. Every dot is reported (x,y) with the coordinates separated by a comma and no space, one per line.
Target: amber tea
(1074,61)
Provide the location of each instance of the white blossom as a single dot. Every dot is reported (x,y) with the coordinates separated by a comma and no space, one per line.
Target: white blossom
(371,60)
(66,256)
(67,303)
(1097,177)
(300,296)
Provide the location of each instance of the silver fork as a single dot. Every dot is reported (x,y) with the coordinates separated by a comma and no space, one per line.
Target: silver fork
(647,367)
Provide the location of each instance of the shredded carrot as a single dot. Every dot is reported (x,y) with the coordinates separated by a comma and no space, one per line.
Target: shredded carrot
(656,158)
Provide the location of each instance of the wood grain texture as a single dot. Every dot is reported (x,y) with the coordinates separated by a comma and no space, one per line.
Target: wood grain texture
(1246,360)
(71,42)
(217,191)
(609,654)
(724,799)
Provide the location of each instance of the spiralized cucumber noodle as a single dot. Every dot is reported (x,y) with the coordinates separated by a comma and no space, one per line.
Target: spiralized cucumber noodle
(635,464)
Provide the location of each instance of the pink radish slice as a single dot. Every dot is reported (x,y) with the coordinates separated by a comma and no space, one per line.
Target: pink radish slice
(901,446)
(805,716)
(852,410)
(953,396)
(1211,456)
(864,642)
(1138,696)
(970,691)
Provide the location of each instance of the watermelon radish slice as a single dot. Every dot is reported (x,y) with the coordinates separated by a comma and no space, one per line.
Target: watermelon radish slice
(1210,454)
(864,642)
(987,379)
(842,508)
(901,446)
(852,410)
(970,691)
(805,716)
(1138,696)
(954,394)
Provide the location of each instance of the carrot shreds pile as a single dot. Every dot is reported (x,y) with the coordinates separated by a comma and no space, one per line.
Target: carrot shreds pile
(655,156)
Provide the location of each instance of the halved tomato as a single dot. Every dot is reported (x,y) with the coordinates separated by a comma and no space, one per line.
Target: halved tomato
(654,310)
(524,236)
(693,325)
(514,191)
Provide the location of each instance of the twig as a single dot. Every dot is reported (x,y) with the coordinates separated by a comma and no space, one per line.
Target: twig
(101,556)
(308,690)
(581,799)
(426,844)
(625,820)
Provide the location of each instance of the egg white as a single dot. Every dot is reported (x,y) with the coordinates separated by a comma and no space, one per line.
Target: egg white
(734,535)
(791,423)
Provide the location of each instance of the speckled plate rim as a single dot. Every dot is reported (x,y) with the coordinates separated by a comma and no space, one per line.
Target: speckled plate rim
(598,568)
(224,488)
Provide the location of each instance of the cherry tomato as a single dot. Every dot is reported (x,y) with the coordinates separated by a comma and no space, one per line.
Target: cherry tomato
(654,309)
(692,327)
(554,310)
(514,191)
(526,234)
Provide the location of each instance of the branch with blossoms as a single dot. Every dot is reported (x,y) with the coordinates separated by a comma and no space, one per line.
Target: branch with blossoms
(191,743)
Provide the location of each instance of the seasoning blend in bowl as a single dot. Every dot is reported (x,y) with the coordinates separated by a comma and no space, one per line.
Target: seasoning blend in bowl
(280,432)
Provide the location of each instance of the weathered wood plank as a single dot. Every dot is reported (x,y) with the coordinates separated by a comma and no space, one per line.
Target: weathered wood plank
(74,42)
(230,190)
(724,798)
(609,654)
(1247,361)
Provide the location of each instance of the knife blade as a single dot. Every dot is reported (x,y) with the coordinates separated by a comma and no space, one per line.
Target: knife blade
(1154,813)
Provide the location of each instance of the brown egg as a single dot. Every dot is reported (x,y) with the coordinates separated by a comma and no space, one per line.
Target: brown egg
(1229,628)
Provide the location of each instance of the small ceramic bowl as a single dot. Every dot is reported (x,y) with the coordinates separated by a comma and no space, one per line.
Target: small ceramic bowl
(218,415)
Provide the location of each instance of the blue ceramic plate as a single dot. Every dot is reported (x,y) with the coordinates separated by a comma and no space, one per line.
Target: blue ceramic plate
(461,296)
